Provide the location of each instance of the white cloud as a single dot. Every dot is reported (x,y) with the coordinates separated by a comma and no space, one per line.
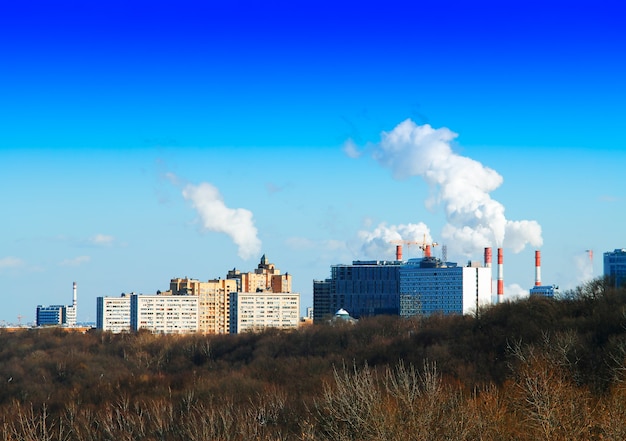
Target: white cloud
(215,216)
(383,239)
(76,261)
(11,262)
(460,184)
(101,240)
(515,292)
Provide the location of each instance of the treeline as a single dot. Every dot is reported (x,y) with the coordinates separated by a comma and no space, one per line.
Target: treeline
(533,369)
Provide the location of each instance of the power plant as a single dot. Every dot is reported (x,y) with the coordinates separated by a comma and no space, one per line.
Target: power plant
(420,286)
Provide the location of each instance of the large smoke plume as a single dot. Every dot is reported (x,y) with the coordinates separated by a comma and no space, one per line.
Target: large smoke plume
(460,184)
(216,216)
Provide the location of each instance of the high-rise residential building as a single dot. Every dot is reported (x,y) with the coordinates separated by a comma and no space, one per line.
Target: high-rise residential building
(263,299)
(260,310)
(365,288)
(113,314)
(214,302)
(266,277)
(206,307)
(615,266)
(429,286)
(164,314)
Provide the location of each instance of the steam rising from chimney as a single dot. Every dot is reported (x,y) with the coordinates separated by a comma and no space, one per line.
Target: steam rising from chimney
(462,185)
(216,216)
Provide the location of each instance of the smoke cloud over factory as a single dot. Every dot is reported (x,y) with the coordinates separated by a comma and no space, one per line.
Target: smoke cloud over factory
(459,184)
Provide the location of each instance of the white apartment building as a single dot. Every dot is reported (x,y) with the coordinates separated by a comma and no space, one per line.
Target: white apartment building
(164,314)
(260,310)
(113,313)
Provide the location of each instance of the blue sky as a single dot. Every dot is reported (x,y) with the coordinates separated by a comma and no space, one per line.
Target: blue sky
(122,121)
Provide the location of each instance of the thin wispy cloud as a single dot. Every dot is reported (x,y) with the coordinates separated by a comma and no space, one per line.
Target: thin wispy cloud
(101,240)
(11,262)
(76,261)
(609,199)
(351,149)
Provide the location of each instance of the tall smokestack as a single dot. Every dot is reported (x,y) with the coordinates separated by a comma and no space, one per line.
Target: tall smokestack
(488,265)
(399,252)
(427,251)
(74,301)
(537,268)
(500,277)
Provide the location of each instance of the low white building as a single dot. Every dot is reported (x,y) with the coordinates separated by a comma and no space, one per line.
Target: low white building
(260,310)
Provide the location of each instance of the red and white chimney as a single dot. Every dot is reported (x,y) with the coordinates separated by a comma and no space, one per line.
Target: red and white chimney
(488,257)
(488,265)
(399,252)
(537,268)
(500,277)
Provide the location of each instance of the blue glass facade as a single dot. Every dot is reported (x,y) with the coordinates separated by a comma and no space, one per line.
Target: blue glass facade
(365,288)
(615,266)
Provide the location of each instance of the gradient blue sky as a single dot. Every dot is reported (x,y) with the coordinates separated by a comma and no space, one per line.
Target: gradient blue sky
(108,111)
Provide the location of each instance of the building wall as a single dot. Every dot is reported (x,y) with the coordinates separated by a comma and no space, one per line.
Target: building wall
(53,315)
(266,277)
(446,290)
(365,288)
(214,306)
(615,266)
(164,314)
(113,314)
(322,309)
(256,311)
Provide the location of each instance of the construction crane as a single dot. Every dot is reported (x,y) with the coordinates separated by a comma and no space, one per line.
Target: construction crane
(399,244)
(423,245)
(426,247)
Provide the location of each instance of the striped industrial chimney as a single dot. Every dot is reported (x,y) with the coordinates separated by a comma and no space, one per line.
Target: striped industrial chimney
(488,265)
(399,252)
(500,277)
(537,268)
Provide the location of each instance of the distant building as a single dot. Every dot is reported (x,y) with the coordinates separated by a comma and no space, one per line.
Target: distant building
(365,288)
(164,314)
(260,310)
(113,314)
(429,286)
(214,302)
(53,315)
(543,290)
(266,277)
(214,307)
(615,266)
(342,316)
(58,315)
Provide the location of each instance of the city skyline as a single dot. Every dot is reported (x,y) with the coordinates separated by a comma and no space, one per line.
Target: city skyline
(146,142)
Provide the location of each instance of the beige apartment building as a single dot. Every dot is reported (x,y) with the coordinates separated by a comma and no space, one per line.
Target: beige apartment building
(213,301)
(266,277)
